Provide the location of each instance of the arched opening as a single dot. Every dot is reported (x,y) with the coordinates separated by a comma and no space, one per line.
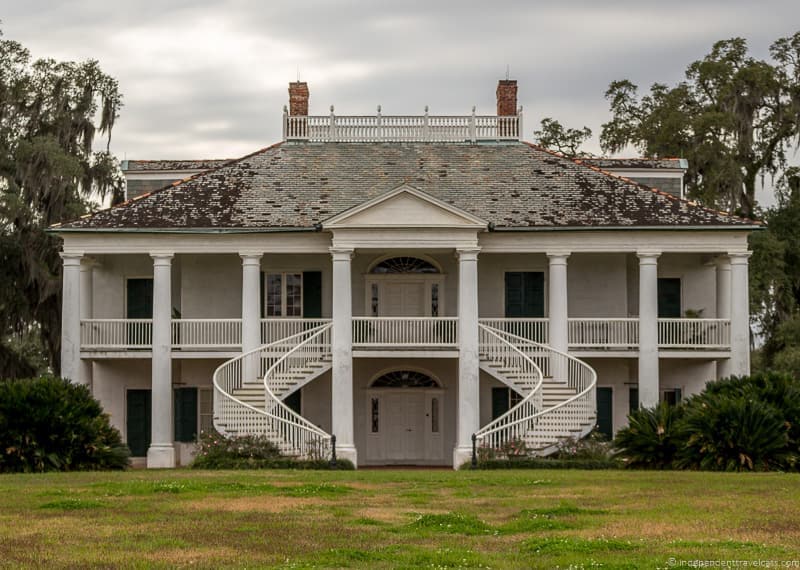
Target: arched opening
(405,379)
(404,264)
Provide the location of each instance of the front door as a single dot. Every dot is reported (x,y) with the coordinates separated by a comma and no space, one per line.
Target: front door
(605,422)
(403,299)
(404,426)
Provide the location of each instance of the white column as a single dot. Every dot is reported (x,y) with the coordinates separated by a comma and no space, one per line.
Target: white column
(86,311)
(251,314)
(468,420)
(648,329)
(723,264)
(71,317)
(740,314)
(557,310)
(162,450)
(342,373)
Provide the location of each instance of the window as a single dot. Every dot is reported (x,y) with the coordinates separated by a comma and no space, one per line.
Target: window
(524,294)
(284,294)
(669,298)
(185,414)
(673,397)
(405,379)
(503,399)
(633,400)
(404,265)
(375,409)
(435,415)
(435,300)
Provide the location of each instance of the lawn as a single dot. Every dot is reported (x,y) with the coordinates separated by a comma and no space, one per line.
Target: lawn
(398,519)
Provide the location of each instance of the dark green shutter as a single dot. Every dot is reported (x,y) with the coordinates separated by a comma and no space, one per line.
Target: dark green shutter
(524,294)
(633,396)
(312,294)
(261,290)
(500,402)
(669,298)
(185,414)
(140,299)
(138,422)
(294,401)
(605,423)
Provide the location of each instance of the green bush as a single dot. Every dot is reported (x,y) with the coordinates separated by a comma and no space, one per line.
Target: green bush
(216,451)
(652,438)
(544,463)
(593,447)
(50,424)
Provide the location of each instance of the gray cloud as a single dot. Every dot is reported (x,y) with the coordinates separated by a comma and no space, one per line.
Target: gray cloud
(207,78)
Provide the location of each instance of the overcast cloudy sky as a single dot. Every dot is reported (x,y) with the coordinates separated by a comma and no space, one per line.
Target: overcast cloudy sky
(208,79)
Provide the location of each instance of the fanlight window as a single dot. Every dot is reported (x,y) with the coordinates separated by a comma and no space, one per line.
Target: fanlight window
(404,265)
(405,379)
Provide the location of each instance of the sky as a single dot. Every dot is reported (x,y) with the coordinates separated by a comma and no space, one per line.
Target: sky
(208,79)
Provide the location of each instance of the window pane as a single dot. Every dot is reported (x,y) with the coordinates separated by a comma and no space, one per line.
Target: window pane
(435,415)
(274,295)
(375,415)
(374,299)
(294,295)
(435,300)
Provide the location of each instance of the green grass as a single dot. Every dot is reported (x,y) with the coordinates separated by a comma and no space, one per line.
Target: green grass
(396,519)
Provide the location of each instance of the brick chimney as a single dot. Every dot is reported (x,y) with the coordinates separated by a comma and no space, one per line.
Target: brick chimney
(506,97)
(298,98)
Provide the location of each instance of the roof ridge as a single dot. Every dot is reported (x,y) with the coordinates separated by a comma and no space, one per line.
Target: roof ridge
(169,186)
(691,203)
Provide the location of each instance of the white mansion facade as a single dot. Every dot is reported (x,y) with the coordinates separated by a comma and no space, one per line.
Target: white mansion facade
(403,284)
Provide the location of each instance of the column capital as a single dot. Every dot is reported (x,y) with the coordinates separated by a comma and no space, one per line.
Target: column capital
(341,253)
(722,262)
(739,257)
(648,257)
(467,253)
(162,258)
(558,257)
(89,263)
(72,259)
(250,257)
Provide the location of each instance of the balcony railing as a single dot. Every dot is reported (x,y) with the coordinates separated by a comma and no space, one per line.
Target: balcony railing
(402,128)
(405,332)
(399,332)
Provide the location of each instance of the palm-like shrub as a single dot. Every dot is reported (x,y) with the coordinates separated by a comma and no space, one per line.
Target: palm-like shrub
(729,432)
(652,438)
(50,424)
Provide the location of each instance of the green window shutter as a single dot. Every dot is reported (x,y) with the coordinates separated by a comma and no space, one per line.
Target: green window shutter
(261,291)
(294,401)
(604,412)
(633,396)
(312,294)
(138,421)
(500,402)
(524,294)
(669,298)
(185,413)
(140,299)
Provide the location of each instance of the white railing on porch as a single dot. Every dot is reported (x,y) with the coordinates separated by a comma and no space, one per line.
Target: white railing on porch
(277,328)
(694,333)
(603,333)
(206,333)
(116,334)
(387,332)
(536,329)
(401,128)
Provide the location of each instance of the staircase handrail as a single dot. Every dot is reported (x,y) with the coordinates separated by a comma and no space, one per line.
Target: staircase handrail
(532,399)
(303,424)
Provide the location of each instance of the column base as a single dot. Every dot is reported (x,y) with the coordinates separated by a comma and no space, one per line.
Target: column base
(161,456)
(345,451)
(461,455)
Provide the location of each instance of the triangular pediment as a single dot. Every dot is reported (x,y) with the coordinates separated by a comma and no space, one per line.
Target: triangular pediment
(404,207)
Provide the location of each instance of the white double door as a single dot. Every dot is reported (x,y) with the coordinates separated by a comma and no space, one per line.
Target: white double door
(406,431)
(403,299)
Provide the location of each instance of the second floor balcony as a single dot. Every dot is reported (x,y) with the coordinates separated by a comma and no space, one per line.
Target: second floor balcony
(595,335)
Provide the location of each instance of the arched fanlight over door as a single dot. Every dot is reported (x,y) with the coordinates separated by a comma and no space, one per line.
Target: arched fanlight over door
(405,379)
(404,264)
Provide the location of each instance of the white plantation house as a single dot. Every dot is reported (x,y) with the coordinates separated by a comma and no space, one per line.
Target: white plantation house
(401,283)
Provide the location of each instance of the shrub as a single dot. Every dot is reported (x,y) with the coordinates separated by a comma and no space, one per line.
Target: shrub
(216,451)
(593,447)
(652,438)
(734,433)
(544,463)
(51,424)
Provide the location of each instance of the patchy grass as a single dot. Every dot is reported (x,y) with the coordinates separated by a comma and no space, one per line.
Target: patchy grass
(397,519)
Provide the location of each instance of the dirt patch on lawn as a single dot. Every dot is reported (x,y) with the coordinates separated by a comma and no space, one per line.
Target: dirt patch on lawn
(264,504)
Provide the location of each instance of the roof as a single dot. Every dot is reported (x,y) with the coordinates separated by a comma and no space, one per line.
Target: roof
(299,185)
(636,163)
(157,165)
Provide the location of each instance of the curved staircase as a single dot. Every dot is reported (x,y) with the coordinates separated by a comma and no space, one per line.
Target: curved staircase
(558,395)
(249,392)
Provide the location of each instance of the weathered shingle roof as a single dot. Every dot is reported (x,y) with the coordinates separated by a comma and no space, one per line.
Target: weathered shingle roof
(159,165)
(636,163)
(514,185)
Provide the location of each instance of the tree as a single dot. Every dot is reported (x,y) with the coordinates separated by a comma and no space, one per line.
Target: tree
(553,136)
(50,113)
(734,118)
